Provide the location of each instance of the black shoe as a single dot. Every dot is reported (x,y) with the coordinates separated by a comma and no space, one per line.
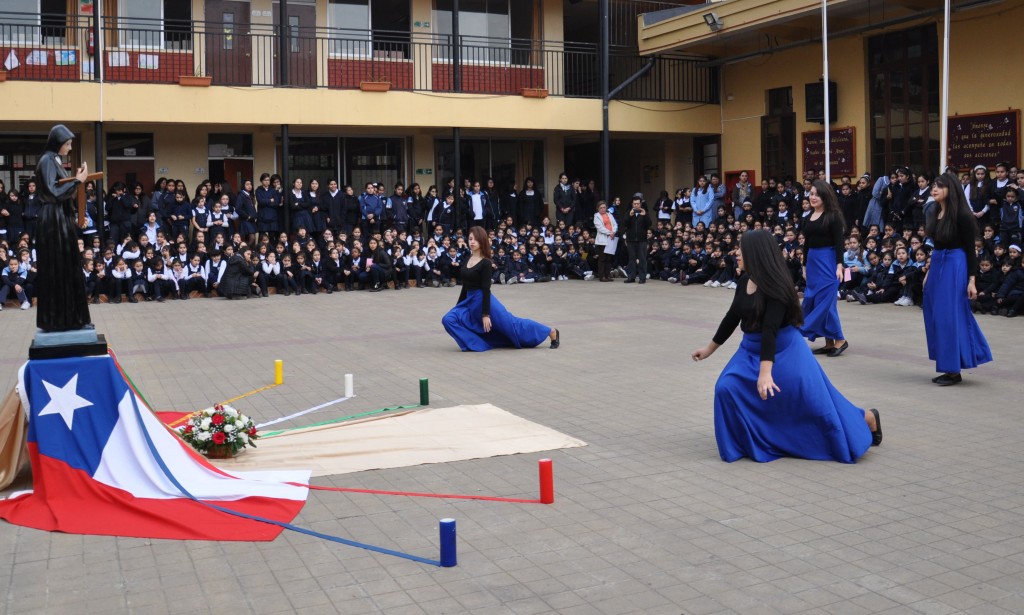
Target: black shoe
(946,380)
(641,281)
(266,294)
(629,281)
(116,300)
(861,298)
(823,350)
(159,299)
(558,340)
(132,299)
(835,352)
(876,435)
(1011,313)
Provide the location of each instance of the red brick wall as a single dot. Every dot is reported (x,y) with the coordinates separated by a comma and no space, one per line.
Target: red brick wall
(48,72)
(346,74)
(485,79)
(171,66)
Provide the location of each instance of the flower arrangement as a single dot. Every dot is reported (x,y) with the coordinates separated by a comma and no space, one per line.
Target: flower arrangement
(219,432)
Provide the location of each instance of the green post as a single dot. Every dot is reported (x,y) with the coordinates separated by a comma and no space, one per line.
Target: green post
(424,392)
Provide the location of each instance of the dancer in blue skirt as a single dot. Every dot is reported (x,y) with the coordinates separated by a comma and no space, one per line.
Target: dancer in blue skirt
(823,235)
(773,399)
(955,341)
(479,321)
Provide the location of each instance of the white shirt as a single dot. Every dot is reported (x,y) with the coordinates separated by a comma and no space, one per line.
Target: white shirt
(478,206)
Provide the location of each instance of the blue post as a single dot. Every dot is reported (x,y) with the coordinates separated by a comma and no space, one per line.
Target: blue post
(448,558)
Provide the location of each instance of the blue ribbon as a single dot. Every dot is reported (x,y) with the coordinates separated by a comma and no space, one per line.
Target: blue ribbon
(287,526)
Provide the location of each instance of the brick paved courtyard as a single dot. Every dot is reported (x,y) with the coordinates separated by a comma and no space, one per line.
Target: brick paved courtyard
(647,519)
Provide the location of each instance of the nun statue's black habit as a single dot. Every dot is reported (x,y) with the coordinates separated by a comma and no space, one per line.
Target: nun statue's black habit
(63,304)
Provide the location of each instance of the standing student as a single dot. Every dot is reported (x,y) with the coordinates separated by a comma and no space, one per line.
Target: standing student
(823,235)
(773,399)
(955,341)
(247,214)
(479,322)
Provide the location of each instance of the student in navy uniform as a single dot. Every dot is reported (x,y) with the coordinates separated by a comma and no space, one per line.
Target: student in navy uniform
(381,268)
(138,284)
(195,277)
(564,198)
(1010,217)
(988,280)
(1010,296)
(333,203)
(215,268)
(358,273)
(120,281)
(318,272)
(371,209)
(955,341)
(160,283)
(13,280)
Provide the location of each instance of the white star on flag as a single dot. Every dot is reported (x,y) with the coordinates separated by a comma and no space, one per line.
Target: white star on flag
(64,400)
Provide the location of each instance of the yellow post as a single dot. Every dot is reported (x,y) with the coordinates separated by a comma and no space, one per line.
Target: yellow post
(278,371)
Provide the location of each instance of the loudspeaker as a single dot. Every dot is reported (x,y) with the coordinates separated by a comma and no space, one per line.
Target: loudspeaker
(815,102)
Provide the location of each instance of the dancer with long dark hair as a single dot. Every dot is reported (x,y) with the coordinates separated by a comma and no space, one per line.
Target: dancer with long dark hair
(479,321)
(823,235)
(955,340)
(773,399)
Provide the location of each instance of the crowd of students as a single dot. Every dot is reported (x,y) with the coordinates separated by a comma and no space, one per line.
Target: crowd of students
(169,243)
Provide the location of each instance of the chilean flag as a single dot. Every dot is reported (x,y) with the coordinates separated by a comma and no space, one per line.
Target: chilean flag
(95,471)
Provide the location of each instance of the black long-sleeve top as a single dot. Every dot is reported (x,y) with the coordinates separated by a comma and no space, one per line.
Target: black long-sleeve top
(825,232)
(741,313)
(477,277)
(966,230)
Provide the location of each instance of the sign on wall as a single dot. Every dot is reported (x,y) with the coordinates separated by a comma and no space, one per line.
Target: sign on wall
(984,138)
(843,151)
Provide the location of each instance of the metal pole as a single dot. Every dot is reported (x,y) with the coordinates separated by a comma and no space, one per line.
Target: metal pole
(284,177)
(456,61)
(283,44)
(457,138)
(944,113)
(828,103)
(606,155)
(97,128)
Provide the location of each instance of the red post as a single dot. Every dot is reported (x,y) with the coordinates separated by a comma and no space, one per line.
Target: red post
(547,482)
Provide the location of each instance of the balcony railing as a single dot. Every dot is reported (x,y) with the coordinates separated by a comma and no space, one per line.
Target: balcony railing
(143,51)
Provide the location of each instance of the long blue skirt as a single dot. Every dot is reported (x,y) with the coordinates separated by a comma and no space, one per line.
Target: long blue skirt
(808,418)
(464,322)
(955,340)
(821,314)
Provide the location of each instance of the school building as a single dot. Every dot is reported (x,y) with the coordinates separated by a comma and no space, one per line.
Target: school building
(378,89)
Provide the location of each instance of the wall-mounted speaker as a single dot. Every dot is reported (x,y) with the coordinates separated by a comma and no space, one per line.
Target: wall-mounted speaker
(815,102)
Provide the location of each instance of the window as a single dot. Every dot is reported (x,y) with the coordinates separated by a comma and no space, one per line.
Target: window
(130,145)
(355,24)
(24,27)
(484,29)
(156,24)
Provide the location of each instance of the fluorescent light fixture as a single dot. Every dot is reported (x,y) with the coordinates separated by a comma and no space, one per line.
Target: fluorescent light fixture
(714,21)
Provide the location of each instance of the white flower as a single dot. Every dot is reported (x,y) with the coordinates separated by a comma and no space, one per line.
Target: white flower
(228,428)
(240,424)
(229,411)
(208,412)
(244,437)
(203,436)
(205,424)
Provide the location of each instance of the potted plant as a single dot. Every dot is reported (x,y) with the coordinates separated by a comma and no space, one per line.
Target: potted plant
(195,81)
(534,92)
(220,432)
(375,83)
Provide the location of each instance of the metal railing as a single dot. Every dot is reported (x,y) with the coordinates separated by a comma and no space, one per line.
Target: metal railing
(156,51)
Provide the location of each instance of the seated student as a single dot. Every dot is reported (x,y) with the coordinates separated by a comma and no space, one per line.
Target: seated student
(916,280)
(988,280)
(883,286)
(288,278)
(318,274)
(178,277)
(89,273)
(335,266)
(302,274)
(668,265)
(911,273)
(399,267)
(576,266)
(27,265)
(416,262)
(433,266)
(270,275)
(725,275)
(195,277)
(696,265)
(160,283)
(358,271)
(120,280)
(449,266)
(854,265)
(518,271)
(12,280)
(215,268)
(1011,294)
(239,281)
(138,284)
(102,279)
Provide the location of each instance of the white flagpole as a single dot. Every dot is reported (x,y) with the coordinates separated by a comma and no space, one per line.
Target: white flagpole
(944,112)
(828,103)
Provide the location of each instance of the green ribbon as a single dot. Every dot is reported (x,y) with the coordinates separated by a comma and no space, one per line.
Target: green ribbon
(271,434)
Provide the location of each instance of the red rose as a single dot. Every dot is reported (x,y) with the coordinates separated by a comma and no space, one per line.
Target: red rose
(188,428)
(218,419)
(219,437)
(252,432)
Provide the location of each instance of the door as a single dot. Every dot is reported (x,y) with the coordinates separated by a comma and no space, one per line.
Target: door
(778,146)
(228,44)
(236,171)
(302,57)
(129,172)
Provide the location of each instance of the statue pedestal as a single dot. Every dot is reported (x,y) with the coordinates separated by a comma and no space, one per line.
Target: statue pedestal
(64,344)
